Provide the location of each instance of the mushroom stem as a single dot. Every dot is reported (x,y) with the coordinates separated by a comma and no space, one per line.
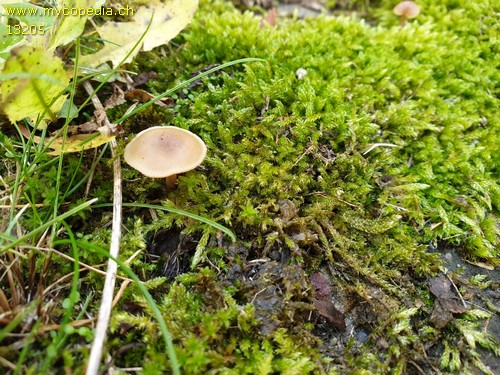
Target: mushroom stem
(171,182)
(402,20)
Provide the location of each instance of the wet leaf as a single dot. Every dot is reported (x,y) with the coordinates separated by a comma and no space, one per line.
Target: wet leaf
(447,302)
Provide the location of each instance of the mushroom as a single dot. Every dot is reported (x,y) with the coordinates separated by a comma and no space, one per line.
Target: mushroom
(165,151)
(406,10)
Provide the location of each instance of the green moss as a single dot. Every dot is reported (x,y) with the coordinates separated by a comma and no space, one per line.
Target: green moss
(213,332)
(422,88)
(385,148)
(426,89)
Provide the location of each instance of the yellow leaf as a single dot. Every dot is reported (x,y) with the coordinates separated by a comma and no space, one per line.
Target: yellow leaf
(75,142)
(78,142)
(169,18)
(38,78)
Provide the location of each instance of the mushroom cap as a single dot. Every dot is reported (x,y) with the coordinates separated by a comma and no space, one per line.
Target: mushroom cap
(162,151)
(407,8)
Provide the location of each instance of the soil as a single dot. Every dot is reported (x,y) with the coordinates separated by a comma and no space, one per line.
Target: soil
(285,296)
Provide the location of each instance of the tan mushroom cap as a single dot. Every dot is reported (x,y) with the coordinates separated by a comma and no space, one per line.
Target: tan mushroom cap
(162,151)
(407,8)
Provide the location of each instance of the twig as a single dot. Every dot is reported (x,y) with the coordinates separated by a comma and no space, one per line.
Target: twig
(6,363)
(114,248)
(456,290)
(120,292)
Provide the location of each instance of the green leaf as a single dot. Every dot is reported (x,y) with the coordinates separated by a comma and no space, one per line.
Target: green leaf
(7,41)
(28,14)
(70,27)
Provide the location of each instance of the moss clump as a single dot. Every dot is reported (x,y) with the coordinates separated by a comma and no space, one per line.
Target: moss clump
(423,89)
(212,331)
(387,145)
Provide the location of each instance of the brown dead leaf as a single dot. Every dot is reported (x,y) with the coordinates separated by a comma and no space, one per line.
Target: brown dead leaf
(144,77)
(117,98)
(142,96)
(85,128)
(440,317)
(330,312)
(322,289)
(441,288)
(322,301)
(138,95)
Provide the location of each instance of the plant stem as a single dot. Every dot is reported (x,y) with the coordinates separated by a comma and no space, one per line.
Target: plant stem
(114,248)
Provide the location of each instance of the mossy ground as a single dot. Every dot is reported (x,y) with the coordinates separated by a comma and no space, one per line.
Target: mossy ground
(364,171)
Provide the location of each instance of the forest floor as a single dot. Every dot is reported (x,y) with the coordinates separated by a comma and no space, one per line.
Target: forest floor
(356,165)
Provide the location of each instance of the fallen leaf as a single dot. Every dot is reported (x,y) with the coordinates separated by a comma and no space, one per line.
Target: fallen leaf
(330,312)
(85,128)
(144,77)
(75,142)
(29,15)
(142,96)
(486,266)
(69,27)
(78,142)
(39,79)
(117,98)
(440,317)
(322,290)
(441,288)
(168,19)
(138,95)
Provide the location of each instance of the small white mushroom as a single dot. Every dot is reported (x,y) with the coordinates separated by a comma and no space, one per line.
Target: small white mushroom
(164,152)
(406,10)
(301,73)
